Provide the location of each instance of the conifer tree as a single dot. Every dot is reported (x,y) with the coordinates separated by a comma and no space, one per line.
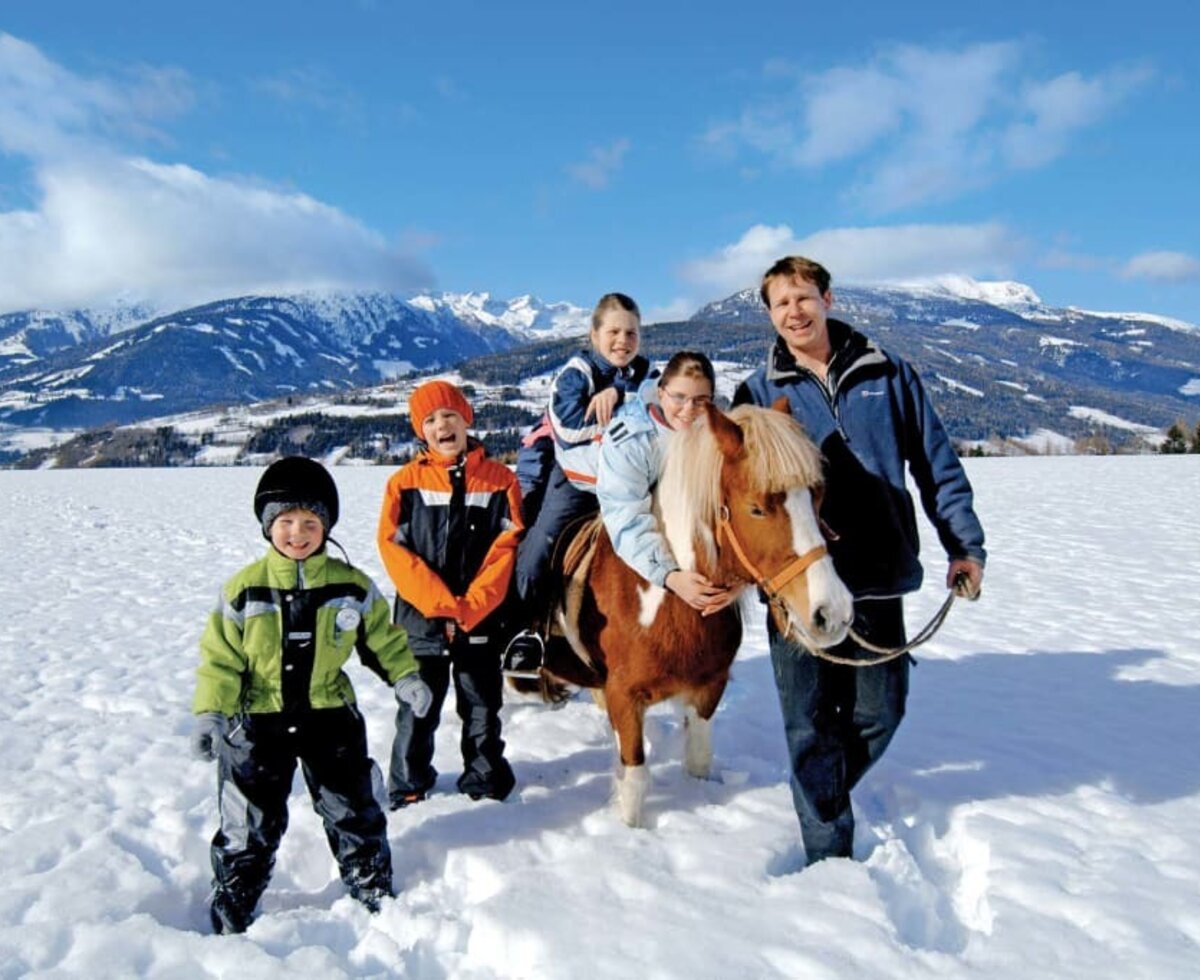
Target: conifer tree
(1176,441)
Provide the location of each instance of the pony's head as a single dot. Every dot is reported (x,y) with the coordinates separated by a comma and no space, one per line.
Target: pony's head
(739,497)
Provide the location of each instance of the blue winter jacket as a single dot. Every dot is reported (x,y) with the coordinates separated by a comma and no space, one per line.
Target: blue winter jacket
(631,460)
(577,437)
(870,420)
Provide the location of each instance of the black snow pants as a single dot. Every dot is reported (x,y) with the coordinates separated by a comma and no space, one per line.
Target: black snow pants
(474,664)
(255,770)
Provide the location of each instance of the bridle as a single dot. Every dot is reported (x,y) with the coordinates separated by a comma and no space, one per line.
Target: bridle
(772,585)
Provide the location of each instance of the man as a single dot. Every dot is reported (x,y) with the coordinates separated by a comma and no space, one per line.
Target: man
(869,413)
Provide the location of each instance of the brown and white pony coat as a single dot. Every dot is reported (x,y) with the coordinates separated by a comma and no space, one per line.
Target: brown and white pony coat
(737,501)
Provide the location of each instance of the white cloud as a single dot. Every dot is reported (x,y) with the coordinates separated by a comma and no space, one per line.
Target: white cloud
(121,226)
(108,222)
(871,254)
(1055,110)
(46,111)
(924,124)
(600,166)
(1163,267)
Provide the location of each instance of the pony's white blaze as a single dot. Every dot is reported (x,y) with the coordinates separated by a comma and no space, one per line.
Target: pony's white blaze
(825,590)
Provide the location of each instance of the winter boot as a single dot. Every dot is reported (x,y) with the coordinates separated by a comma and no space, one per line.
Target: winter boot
(371,896)
(407,799)
(371,884)
(228,913)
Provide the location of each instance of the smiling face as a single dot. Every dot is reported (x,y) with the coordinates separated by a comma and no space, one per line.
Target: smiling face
(683,398)
(445,432)
(297,533)
(615,337)
(799,312)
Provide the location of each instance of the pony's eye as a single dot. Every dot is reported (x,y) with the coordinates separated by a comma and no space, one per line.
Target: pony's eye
(756,511)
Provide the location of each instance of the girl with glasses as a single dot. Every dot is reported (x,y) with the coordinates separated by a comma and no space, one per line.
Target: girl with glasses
(631,459)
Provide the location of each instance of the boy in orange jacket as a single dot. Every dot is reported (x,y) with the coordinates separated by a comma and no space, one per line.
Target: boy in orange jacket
(448,537)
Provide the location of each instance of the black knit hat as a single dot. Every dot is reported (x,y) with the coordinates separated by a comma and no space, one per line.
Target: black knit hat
(293,482)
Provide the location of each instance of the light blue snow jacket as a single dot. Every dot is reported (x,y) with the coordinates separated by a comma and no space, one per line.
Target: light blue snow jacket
(631,460)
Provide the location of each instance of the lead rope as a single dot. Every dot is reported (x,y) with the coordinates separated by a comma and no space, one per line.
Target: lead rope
(770,587)
(885,653)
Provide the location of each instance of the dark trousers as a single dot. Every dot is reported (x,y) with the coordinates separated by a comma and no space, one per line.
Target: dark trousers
(475,669)
(254,779)
(838,720)
(563,503)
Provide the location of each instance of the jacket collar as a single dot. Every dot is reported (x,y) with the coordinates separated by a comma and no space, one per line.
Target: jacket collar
(625,378)
(280,565)
(475,451)
(849,348)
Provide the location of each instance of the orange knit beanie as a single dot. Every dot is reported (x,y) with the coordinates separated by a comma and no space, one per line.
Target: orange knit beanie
(433,395)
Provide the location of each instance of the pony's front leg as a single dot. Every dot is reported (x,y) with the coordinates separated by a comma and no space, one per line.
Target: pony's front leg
(626,714)
(698,712)
(697,743)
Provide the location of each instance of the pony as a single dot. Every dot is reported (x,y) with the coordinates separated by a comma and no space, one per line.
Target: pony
(737,501)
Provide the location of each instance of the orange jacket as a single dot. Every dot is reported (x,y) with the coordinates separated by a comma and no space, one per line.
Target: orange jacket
(448,536)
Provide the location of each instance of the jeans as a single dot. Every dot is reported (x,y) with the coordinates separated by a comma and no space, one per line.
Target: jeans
(838,720)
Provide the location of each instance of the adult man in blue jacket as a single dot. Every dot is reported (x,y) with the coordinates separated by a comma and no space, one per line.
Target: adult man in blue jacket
(868,412)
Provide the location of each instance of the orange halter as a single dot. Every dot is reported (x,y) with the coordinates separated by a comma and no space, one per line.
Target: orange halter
(770,585)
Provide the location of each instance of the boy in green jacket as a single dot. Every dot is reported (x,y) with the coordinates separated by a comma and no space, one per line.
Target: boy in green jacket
(271,691)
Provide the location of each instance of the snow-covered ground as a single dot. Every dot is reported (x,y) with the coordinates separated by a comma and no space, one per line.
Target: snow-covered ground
(1037,815)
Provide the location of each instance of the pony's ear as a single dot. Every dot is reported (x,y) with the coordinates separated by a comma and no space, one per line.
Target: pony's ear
(781,404)
(728,435)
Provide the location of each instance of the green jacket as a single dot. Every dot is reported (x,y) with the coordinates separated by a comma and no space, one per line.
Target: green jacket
(283,630)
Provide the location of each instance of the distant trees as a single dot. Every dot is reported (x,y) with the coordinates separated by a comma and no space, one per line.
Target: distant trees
(383,438)
(1177,439)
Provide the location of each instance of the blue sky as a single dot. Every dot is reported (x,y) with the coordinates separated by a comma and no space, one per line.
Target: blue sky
(671,151)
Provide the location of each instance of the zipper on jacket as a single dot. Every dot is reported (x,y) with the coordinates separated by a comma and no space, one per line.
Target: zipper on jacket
(830,396)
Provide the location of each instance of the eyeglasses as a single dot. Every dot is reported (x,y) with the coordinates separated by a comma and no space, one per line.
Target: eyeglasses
(682,401)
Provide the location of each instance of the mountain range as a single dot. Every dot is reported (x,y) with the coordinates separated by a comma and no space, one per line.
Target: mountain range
(998,361)
(80,369)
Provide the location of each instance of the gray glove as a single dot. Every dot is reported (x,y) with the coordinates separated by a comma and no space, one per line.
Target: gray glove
(210,728)
(414,692)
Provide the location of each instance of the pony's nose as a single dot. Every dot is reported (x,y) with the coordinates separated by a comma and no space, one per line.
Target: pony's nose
(827,621)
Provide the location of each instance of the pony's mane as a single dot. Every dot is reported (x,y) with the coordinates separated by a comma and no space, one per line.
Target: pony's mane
(780,456)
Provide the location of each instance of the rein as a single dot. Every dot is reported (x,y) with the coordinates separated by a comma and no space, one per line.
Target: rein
(771,586)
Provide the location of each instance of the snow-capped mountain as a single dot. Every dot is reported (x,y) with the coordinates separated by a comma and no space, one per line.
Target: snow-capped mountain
(998,361)
(35,334)
(1007,295)
(81,369)
(29,336)
(524,316)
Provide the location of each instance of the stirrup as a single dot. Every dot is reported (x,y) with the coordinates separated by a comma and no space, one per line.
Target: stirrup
(524,655)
